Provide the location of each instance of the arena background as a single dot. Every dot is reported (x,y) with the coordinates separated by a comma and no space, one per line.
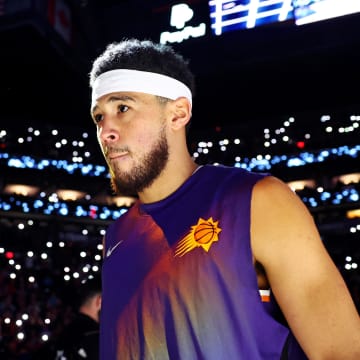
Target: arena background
(276,97)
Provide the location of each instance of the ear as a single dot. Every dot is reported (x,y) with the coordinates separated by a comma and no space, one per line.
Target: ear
(181,111)
(98,301)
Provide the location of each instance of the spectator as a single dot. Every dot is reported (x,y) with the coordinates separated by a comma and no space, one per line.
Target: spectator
(79,339)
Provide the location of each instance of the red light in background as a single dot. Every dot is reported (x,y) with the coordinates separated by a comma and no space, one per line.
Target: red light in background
(300,144)
(93,213)
(9,255)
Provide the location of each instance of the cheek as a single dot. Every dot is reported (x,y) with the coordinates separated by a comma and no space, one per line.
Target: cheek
(145,138)
(147,132)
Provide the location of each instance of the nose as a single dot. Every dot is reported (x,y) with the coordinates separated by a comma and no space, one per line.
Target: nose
(107,133)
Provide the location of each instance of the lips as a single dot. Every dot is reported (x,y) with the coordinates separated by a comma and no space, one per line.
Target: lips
(116,155)
(114,150)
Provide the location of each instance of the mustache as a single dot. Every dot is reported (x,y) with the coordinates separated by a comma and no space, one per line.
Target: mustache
(114,150)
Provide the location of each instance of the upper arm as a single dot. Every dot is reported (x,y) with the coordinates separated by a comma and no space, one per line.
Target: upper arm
(306,283)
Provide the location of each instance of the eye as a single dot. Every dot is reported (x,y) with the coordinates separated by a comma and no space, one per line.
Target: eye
(123,108)
(97,118)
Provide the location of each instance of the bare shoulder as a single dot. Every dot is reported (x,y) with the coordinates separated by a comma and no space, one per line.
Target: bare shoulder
(273,191)
(276,210)
(283,232)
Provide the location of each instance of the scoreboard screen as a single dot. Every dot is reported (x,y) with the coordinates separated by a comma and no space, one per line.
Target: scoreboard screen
(316,10)
(227,15)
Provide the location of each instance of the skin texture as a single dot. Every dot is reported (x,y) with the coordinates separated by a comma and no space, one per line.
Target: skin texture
(289,255)
(303,278)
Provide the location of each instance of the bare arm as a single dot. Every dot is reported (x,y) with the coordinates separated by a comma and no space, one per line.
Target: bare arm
(306,283)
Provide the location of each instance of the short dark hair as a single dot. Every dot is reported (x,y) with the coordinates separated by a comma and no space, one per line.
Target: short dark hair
(143,55)
(88,289)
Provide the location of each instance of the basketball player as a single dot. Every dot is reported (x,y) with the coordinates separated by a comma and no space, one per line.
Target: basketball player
(211,262)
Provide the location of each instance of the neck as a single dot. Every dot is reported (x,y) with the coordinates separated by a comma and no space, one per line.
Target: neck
(171,178)
(91,312)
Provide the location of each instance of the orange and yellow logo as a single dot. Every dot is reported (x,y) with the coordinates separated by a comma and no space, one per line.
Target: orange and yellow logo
(203,234)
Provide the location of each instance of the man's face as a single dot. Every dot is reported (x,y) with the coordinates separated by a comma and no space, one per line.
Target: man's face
(147,168)
(131,130)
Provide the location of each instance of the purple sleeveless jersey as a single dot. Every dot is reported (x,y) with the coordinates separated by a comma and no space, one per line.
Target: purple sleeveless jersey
(179,281)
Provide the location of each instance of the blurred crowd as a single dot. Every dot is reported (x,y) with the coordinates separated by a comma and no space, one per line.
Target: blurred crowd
(36,301)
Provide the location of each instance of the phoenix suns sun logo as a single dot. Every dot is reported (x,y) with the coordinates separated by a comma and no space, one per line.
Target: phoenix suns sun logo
(203,234)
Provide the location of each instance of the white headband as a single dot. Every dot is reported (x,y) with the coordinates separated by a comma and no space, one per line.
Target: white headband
(138,81)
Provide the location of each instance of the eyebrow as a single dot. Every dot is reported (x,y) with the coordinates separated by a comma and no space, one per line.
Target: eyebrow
(114,98)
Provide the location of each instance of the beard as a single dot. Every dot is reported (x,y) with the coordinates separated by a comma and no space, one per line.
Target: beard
(142,175)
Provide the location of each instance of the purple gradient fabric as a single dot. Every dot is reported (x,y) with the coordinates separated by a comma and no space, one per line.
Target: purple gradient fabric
(179,281)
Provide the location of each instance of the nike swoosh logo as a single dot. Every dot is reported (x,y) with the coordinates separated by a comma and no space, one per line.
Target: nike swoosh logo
(111,249)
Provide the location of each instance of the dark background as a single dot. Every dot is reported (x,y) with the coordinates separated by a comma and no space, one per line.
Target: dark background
(243,77)
(247,80)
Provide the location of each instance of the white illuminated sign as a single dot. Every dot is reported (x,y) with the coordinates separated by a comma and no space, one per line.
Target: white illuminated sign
(180,15)
(228,15)
(312,11)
